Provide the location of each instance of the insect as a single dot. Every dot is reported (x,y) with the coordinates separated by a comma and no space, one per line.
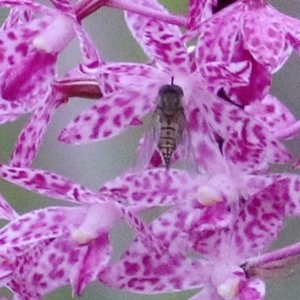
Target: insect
(168,130)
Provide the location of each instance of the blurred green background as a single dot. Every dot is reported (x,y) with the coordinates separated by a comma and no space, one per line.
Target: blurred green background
(93,164)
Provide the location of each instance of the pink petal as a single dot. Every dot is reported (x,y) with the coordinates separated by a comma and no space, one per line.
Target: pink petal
(10,111)
(265,41)
(248,144)
(194,15)
(192,226)
(249,185)
(254,289)
(220,74)
(90,55)
(251,148)
(155,187)
(49,184)
(142,272)
(291,27)
(273,114)
(36,226)
(114,76)
(139,25)
(198,11)
(257,88)
(44,268)
(31,136)
(290,183)
(166,48)
(32,79)
(64,6)
(206,149)
(109,117)
(17,15)
(16,43)
(218,35)
(6,210)
(259,221)
(89,265)
(29,4)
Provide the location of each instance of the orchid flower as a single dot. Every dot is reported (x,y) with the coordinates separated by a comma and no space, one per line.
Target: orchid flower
(44,43)
(130,91)
(33,66)
(29,57)
(215,227)
(253,31)
(223,240)
(78,238)
(48,248)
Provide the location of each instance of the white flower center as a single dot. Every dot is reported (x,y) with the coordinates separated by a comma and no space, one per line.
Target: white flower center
(228,289)
(208,196)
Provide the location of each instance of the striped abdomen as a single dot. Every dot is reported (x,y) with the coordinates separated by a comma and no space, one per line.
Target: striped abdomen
(168,141)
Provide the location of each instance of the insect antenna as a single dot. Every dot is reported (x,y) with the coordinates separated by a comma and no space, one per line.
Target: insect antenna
(172,80)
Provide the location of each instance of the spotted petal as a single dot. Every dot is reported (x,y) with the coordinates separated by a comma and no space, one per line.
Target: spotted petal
(17,42)
(36,226)
(254,288)
(109,117)
(221,47)
(142,272)
(291,25)
(290,183)
(114,76)
(248,142)
(220,74)
(273,113)
(154,187)
(198,10)
(91,263)
(251,148)
(17,15)
(257,88)
(259,221)
(267,44)
(48,184)
(31,136)
(140,25)
(206,149)
(166,48)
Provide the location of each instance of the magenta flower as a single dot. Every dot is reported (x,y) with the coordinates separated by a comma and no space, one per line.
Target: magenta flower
(29,57)
(49,248)
(217,223)
(130,91)
(253,31)
(31,46)
(224,235)
(59,246)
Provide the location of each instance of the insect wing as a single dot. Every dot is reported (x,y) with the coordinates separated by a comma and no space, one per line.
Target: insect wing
(148,144)
(184,151)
